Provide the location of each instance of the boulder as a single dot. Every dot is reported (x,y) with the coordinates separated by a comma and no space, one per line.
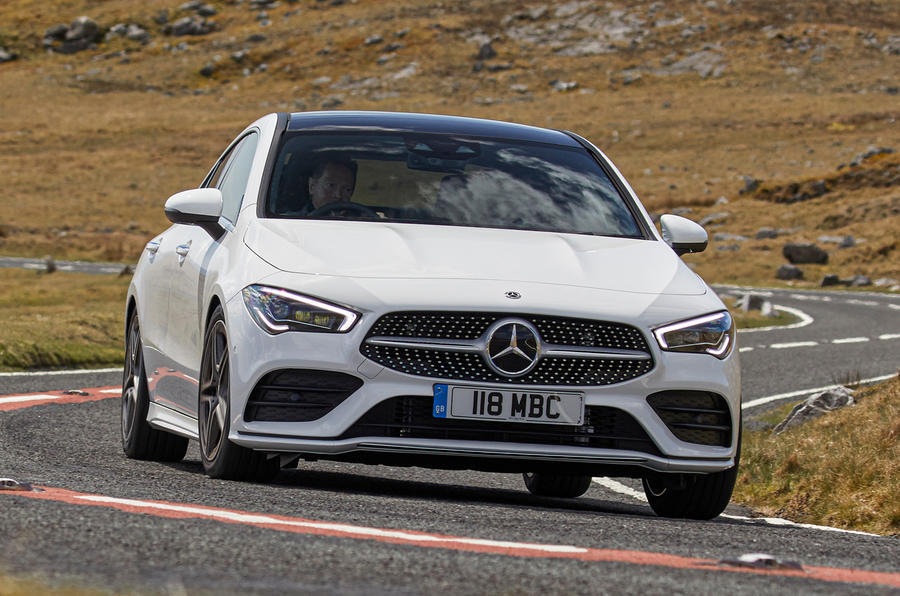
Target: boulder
(7,56)
(82,28)
(789,272)
(486,52)
(847,241)
(857,281)
(804,252)
(815,406)
(725,237)
(137,33)
(750,184)
(766,233)
(190,26)
(886,281)
(56,32)
(714,218)
(563,85)
(830,279)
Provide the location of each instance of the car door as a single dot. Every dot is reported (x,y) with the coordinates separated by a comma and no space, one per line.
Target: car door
(153,304)
(196,255)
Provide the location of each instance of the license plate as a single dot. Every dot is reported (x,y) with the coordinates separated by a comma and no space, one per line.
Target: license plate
(486,403)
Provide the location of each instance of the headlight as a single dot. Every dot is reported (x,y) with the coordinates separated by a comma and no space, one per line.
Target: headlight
(711,334)
(277,311)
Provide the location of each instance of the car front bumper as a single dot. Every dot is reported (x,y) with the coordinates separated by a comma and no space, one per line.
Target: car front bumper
(254,353)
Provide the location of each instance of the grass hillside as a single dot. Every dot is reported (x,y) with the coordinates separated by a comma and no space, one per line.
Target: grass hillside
(688,98)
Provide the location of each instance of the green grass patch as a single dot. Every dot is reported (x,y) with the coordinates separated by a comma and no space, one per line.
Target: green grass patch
(842,469)
(60,320)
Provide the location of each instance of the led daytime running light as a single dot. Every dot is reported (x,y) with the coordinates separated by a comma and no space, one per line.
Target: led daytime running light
(319,316)
(720,349)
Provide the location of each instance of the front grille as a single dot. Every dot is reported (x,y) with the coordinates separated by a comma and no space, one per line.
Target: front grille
(411,417)
(295,395)
(694,416)
(469,366)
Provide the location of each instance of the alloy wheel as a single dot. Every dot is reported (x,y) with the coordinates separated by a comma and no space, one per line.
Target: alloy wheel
(214,392)
(133,368)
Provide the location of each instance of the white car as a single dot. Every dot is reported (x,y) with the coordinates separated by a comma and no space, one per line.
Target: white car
(435,291)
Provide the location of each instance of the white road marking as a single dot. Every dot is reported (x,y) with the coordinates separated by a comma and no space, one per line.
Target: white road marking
(889,336)
(805,320)
(620,488)
(811,297)
(765,400)
(333,527)
(861,302)
(20,398)
(110,391)
(747,349)
(47,373)
(894,306)
(777,521)
(794,344)
(850,340)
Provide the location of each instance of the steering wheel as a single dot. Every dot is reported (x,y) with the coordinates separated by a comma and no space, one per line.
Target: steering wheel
(338,206)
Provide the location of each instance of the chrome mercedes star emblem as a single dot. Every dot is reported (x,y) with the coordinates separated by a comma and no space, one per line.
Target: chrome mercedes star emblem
(513,295)
(513,348)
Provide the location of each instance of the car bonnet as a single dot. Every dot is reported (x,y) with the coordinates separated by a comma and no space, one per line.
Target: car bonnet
(384,250)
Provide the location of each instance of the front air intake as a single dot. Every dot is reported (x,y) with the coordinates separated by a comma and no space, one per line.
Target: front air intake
(694,416)
(298,395)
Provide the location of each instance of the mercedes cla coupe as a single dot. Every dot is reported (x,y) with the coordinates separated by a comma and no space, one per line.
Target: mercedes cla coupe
(422,290)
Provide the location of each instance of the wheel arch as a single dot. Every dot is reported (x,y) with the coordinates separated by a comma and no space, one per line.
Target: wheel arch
(130,310)
(214,303)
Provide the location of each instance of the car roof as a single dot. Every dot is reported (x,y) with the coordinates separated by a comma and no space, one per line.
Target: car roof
(429,123)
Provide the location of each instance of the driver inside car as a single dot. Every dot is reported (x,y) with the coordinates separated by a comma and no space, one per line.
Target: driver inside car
(331,182)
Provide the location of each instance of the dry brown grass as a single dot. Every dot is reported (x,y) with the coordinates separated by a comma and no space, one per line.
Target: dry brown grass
(90,148)
(842,469)
(10,586)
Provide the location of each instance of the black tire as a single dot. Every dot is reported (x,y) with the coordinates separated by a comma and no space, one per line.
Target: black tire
(556,485)
(139,439)
(222,458)
(697,497)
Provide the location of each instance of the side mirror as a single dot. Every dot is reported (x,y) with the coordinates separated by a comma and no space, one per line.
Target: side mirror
(199,207)
(682,234)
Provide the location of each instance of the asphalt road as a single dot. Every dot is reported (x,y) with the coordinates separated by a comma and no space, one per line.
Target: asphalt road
(153,543)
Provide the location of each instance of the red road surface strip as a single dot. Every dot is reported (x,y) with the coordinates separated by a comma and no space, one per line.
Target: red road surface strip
(28,400)
(422,539)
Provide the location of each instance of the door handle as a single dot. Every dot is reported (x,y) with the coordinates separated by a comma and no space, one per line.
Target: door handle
(153,246)
(182,251)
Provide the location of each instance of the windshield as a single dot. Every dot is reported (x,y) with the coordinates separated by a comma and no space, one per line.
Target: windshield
(446,180)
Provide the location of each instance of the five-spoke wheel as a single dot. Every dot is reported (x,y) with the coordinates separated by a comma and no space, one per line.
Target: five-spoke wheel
(139,439)
(222,458)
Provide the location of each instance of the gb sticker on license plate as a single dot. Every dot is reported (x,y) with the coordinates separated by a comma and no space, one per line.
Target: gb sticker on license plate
(440,401)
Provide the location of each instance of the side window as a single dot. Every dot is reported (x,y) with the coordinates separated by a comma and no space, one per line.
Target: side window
(233,181)
(212,179)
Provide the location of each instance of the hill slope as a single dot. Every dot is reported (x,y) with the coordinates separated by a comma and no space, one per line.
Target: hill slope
(688,98)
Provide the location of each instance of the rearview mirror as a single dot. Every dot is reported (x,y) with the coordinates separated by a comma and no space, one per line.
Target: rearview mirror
(200,207)
(683,235)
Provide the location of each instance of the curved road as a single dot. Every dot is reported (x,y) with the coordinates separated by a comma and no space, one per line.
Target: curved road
(108,522)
